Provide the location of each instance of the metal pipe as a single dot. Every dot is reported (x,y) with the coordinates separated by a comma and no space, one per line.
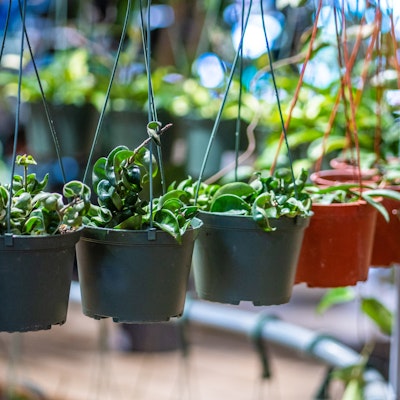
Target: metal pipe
(271,328)
(394,366)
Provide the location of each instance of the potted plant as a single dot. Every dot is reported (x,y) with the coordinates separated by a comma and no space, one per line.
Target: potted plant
(386,251)
(248,247)
(337,246)
(134,255)
(69,81)
(38,232)
(194,108)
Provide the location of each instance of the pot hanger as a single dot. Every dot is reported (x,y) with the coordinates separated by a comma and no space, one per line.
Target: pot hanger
(239,57)
(25,37)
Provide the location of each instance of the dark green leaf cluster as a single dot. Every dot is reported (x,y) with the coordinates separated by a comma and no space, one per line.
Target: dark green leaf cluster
(36,212)
(264,197)
(352,192)
(118,180)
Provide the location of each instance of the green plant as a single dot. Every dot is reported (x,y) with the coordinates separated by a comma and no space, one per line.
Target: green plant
(265,196)
(118,180)
(34,211)
(348,193)
(69,78)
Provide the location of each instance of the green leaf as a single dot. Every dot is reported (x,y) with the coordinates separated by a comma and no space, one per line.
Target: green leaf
(75,188)
(35,223)
(180,195)
(230,203)
(99,173)
(168,222)
(239,189)
(23,201)
(380,314)
(134,222)
(335,296)
(353,390)
(25,160)
(378,205)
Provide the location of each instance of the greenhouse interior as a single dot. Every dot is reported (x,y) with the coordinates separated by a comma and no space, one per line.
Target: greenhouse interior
(188,127)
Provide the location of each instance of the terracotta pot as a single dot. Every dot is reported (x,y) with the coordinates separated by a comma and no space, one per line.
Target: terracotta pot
(339,163)
(331,177)
(386,249)
(337,246)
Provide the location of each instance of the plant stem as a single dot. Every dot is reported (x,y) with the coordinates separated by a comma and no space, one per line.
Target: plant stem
(131,159)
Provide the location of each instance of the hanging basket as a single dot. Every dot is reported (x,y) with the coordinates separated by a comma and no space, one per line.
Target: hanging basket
(35,279)
(235,260)
(386,249)
(126,276)
(337,246)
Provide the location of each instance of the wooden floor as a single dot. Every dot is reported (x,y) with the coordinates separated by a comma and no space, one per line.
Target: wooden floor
(82,360)
(87,359)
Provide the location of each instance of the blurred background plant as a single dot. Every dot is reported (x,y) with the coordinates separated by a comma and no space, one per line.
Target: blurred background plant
(193,46)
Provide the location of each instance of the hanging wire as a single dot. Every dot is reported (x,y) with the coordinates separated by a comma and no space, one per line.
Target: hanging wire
(238,119)
(17,113)
(222,105)
(300,81)
(357,97)
(45,103)
(103,110)
(278,100)
(3,42)
(152,109)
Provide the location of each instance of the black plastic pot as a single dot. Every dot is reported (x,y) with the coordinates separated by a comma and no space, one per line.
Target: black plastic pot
(235,260)
(35,280)
(126,276)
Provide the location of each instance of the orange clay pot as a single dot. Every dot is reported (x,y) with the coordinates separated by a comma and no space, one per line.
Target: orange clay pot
(386,249)
(337,245)
(331,177)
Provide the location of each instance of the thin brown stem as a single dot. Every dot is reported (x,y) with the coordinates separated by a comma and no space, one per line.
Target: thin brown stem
(162,130)
(299,84)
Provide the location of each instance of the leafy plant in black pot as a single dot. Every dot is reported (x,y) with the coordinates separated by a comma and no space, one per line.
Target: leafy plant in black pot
(134,256)
(248,247)
(38,233)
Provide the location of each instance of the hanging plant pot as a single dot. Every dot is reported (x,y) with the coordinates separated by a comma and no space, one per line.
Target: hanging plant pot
(35,279)
(340,163)
(126,276)
(70,122)
(331,177)
(196,133)
(235,260)
(337,246)
(386,249)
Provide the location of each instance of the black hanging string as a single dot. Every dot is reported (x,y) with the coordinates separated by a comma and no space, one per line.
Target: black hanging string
(17,113)
(3,42)
(152,109)
(222,105)
(45,102)
(238,119)
(277,99)
(103,110)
